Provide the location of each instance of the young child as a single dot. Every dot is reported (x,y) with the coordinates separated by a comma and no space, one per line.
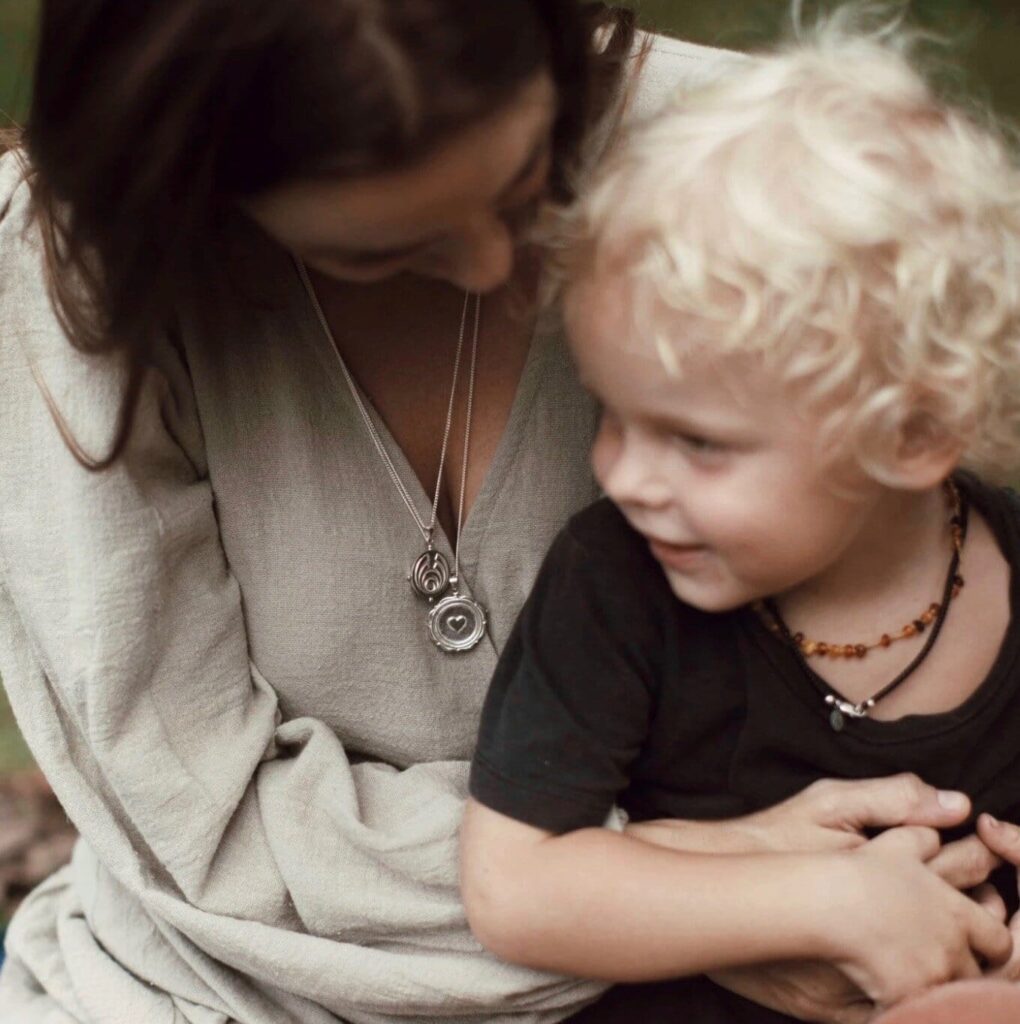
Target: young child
(797,298)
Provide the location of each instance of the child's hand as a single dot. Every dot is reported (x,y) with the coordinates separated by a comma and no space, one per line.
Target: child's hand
(925,933)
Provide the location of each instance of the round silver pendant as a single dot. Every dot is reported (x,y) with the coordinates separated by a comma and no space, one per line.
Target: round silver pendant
(430,575)
(456,624)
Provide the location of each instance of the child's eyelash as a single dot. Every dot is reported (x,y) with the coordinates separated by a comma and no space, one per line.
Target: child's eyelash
(697,443)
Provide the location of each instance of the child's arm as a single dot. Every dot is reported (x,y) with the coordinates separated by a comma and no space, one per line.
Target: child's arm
(600,904)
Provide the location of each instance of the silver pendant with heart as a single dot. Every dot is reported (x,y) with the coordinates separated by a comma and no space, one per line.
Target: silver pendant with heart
(430,574)
(456,624)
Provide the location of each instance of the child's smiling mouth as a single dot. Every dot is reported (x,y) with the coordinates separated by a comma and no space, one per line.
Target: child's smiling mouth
(677,556)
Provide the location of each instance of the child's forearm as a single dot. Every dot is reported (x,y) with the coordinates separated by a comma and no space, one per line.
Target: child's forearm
(604,905)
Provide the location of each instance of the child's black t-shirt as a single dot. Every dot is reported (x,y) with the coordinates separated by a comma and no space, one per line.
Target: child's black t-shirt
(612,691)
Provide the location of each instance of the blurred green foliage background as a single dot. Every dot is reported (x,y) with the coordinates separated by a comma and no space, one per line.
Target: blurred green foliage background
(984,37)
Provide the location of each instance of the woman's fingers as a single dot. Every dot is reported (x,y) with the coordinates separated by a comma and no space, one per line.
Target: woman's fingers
(874,803)
(1004,839)
(857,1013)
(1000,837)
(988,938)
(987,897)
(908,841)
(1010,970)
(965,863)
(802,990)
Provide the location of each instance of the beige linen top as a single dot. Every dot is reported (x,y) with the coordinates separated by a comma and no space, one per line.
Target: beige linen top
(215,656)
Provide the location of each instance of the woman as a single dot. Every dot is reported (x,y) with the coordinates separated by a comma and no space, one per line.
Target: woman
(276,409)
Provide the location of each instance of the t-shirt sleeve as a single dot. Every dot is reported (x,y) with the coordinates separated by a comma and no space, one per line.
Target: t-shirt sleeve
(569,705)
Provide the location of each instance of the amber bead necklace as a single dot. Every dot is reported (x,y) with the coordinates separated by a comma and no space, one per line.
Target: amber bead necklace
(933,616)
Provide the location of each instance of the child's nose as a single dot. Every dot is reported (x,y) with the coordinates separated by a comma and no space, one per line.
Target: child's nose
(633,476)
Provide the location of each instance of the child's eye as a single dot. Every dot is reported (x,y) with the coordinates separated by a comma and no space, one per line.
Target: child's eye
(697,444)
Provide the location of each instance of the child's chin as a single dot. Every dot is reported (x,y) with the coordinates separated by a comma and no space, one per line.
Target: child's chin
(706,597)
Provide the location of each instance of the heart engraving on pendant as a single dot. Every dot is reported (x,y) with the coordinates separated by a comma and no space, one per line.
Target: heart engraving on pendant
(456,624)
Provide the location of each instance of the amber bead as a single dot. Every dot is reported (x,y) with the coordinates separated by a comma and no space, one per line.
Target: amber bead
(886,640)
(811,647)
(822,648)
(910,630)
(860,650)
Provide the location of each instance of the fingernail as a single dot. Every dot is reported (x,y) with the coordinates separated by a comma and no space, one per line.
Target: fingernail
(992,821)
(952,801)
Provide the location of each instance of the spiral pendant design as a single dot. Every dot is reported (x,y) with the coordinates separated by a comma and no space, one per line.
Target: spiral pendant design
(430,575)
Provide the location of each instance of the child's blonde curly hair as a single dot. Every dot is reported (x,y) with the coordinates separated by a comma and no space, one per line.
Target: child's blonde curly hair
(821,208)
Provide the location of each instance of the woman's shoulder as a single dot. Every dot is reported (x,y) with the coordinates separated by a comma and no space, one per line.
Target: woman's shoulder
(665,64)
(25,306)
(15,207)
(659,67)
(50,385)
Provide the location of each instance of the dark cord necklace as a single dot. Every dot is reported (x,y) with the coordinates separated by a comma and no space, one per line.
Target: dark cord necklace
(841,708)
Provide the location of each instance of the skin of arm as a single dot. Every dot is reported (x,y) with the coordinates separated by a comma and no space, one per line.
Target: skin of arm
(600,904)
(830,815)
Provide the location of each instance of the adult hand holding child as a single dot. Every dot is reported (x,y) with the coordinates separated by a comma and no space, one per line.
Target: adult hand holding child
(835,814)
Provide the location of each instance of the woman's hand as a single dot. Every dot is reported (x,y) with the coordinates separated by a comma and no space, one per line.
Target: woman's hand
(832,815)
(904,928)
(813,991)
(827,815)
(1003,840)
(900,927)
(808,991)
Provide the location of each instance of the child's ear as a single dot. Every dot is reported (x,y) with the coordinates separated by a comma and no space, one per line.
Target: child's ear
(924,455)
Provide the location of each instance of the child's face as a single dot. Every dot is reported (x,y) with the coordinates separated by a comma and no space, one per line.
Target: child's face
(715,467)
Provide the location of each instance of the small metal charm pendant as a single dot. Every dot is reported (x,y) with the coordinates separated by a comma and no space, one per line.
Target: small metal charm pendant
(430,574)
(456,624)
(843,709)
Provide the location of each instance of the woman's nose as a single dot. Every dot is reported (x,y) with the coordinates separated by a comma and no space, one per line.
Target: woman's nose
(484,259)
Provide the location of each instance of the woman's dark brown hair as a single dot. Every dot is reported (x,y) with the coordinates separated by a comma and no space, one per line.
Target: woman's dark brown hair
(151,118)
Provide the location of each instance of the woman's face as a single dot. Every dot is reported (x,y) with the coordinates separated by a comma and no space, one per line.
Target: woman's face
(455,215)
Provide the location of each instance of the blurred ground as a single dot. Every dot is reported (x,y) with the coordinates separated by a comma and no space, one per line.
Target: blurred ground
(985,39)
(35,835)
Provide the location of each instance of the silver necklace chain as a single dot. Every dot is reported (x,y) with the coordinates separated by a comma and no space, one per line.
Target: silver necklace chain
(427,530)
(456,623)
(467,426)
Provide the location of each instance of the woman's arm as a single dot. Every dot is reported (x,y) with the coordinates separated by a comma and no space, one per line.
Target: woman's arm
(827,815)
(249,837)
(600,904)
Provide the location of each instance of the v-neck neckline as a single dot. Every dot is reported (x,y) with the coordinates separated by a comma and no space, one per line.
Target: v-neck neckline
(472,529)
